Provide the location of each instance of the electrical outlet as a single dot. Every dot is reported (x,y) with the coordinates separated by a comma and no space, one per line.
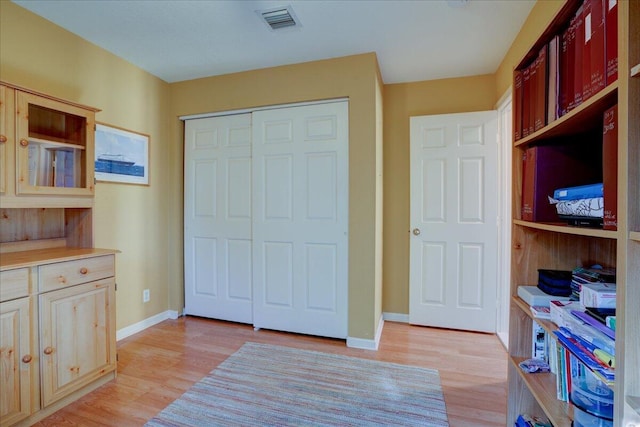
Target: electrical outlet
(146,295)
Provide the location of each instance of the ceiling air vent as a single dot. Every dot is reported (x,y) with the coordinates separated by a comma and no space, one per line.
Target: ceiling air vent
(279,18)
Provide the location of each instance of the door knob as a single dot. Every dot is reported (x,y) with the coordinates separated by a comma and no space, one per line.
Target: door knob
(416,231)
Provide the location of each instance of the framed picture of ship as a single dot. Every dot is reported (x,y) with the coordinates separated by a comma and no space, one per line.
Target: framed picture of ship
(121,155)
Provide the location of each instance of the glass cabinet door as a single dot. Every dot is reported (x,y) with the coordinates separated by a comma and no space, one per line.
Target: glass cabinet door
(54,147)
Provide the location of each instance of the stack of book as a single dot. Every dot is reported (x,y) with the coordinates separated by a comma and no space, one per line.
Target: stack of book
(581,276)
(575,64)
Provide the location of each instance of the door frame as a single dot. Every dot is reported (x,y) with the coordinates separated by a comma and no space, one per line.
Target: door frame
(266,107)
(505,138)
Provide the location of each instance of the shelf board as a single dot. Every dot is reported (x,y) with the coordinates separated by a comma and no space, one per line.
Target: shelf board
(56,143)
(547,324)
(582,117)
(568,229)
(635,71)
(32,258)
(635,235)
(543,388)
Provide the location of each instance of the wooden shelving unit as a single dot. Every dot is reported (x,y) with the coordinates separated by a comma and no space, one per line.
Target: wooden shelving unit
(559,246)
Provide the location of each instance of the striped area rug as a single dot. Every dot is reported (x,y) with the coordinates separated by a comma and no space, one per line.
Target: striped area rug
(267,385)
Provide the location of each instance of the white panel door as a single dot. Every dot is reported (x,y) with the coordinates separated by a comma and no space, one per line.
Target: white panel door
(453,241)
(217,218)
(300,219)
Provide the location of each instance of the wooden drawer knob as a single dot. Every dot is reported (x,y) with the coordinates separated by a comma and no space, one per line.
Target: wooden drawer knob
(84,270)
(3,139)
(26,358)
(62,279)
(48,350)
(24,142)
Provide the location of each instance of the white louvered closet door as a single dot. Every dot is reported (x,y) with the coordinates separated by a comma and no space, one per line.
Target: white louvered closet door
(300,219)
(217,218)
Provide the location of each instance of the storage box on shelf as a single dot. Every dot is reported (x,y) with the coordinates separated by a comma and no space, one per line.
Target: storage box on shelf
(558,246)
(57,292)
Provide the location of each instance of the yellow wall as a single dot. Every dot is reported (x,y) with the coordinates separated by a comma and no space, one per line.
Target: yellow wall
(36,54)
(402,101)
(353,77)
(145,223)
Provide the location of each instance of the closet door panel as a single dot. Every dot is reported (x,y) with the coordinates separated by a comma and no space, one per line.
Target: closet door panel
(300,221)
(218,209)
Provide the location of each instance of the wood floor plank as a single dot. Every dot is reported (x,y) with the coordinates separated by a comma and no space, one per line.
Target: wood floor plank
(157,365)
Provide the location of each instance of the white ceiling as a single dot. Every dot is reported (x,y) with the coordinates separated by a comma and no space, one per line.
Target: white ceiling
(179,40)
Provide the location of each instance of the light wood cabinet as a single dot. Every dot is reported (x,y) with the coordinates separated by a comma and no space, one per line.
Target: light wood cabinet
(538,245)
(17,360)
(76,337)
(57,329)
(57,292)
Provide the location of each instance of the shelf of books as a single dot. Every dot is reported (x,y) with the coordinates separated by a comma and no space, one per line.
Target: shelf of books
(583,116)
(570,327)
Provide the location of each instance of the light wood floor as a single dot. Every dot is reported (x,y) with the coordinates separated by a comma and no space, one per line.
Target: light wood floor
(158,364)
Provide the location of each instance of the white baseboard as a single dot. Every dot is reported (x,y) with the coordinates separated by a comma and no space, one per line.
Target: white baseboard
(144,324)
(367,344)
(396,317)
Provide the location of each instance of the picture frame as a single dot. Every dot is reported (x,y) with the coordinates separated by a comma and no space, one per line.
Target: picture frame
(121,155)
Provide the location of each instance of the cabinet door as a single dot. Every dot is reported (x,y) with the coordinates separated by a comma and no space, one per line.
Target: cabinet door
(77,340)
(7,130)
(55,150)
(16,361)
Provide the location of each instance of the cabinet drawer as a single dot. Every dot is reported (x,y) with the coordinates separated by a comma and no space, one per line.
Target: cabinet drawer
(14,284)
(69,273)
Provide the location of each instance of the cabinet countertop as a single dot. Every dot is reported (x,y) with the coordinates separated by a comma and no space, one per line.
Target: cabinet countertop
(13,260)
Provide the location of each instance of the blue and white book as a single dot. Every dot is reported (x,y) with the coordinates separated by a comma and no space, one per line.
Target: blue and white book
(590,191)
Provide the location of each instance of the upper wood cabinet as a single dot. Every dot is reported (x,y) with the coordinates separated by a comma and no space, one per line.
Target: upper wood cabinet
(48,150)
(55,147)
